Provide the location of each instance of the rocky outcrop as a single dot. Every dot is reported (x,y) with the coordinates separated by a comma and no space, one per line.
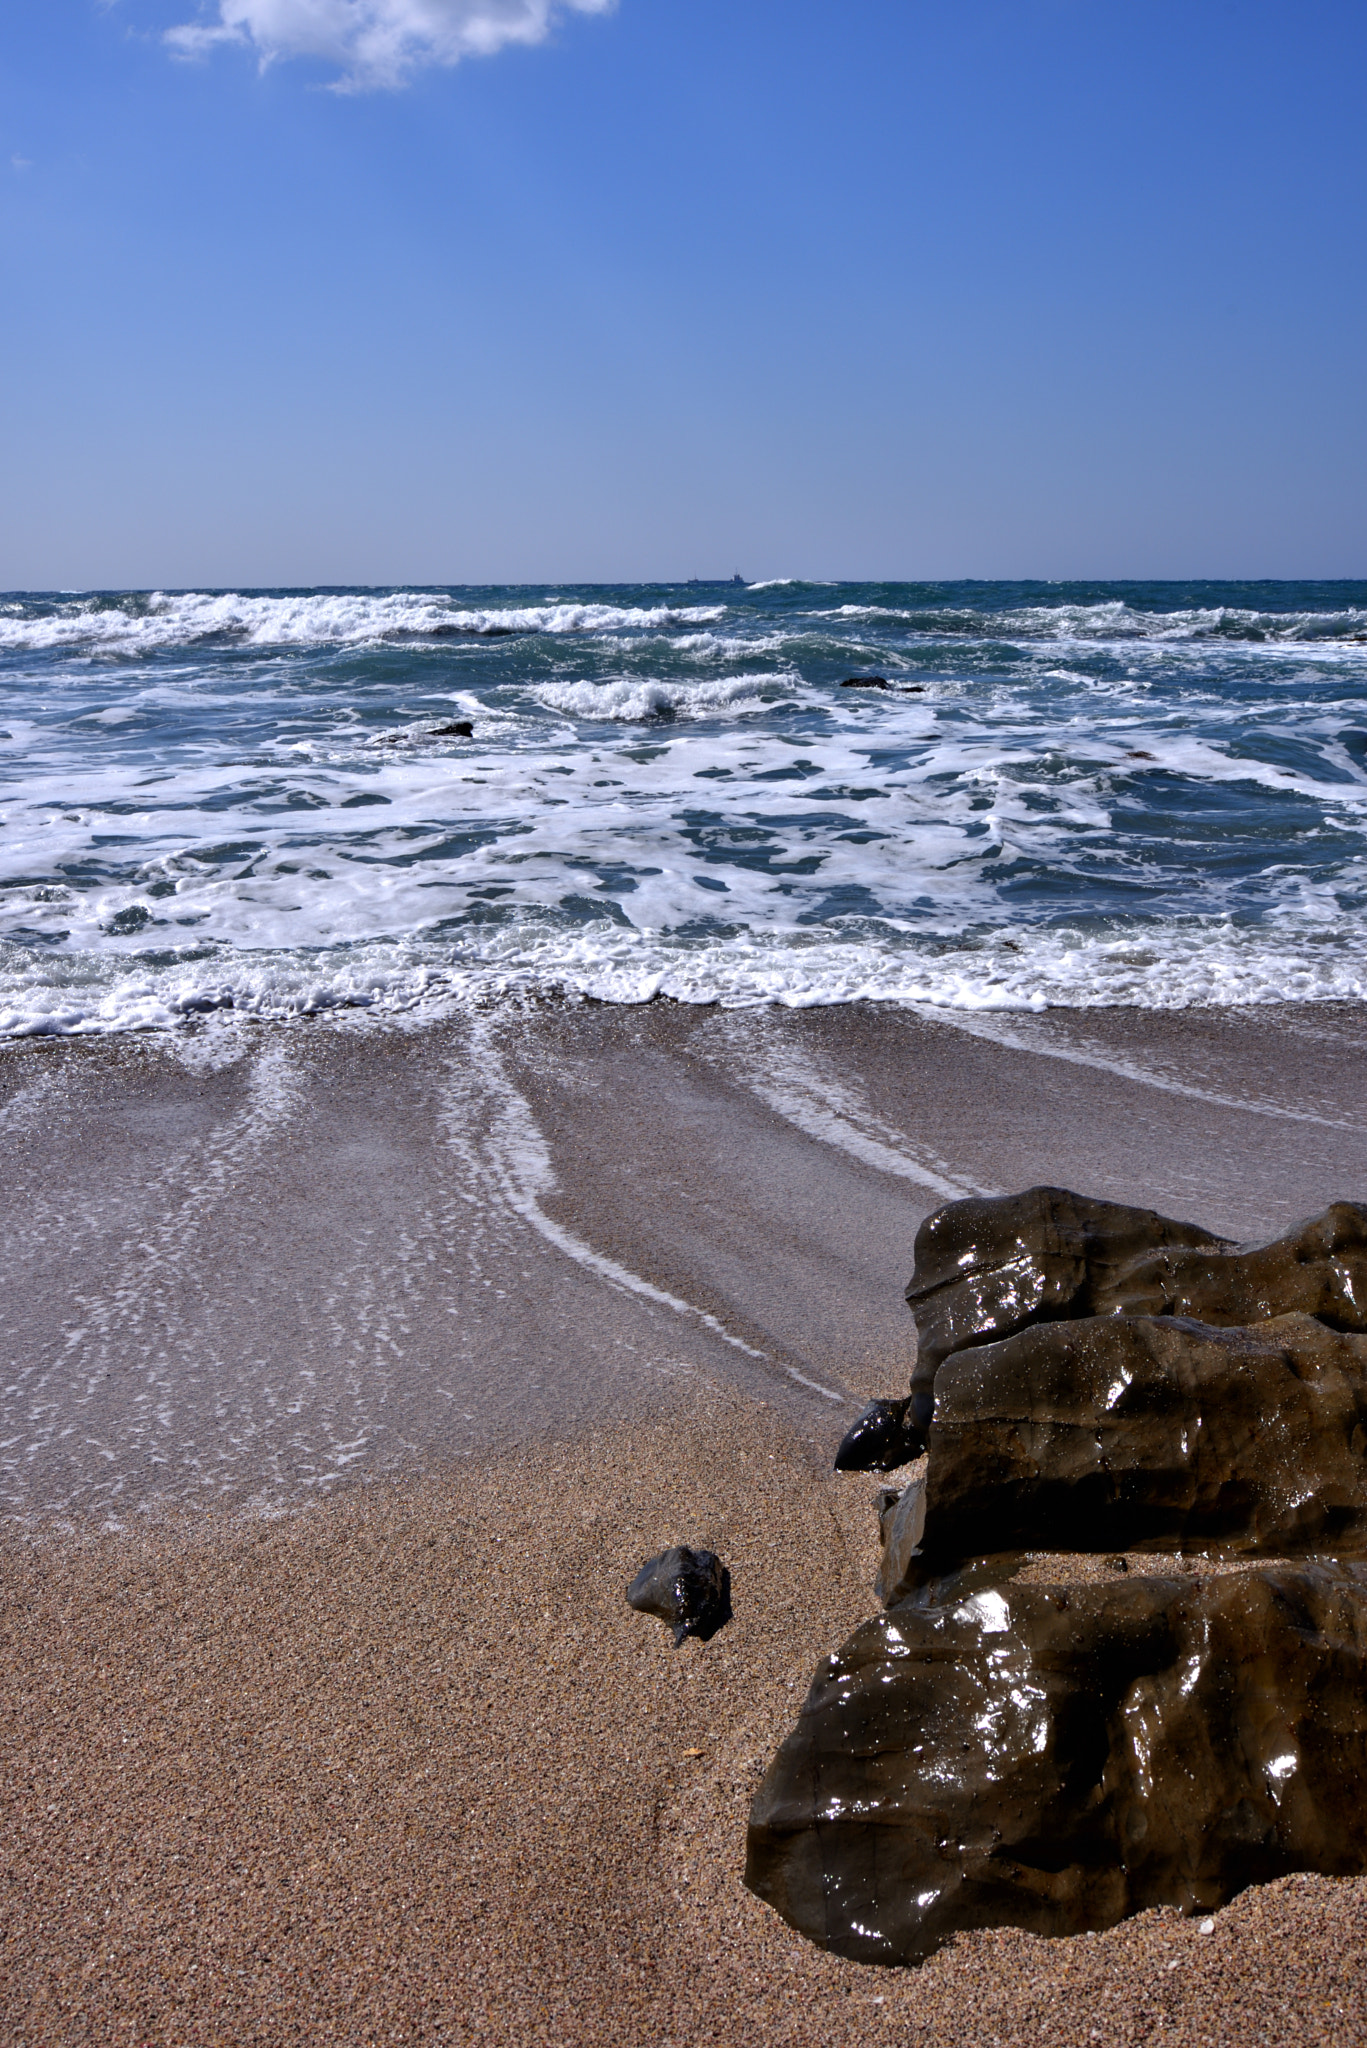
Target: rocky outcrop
(1055,1758)
(690,1590)
(1151,1433)
(1092,1378)
(989,1267)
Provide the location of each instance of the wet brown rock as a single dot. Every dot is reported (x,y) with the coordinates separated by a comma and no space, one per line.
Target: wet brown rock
(988,1267)
(1150,1433)
(907,1570)
(1056,1758)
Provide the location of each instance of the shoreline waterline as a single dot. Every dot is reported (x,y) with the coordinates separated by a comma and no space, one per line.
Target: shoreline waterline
(353,1373)
(256,1261)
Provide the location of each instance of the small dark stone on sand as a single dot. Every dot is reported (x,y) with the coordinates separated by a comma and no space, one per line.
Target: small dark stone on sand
(880,1439)
(690,1590)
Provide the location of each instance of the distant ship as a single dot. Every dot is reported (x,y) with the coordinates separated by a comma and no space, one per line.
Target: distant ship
(713,582)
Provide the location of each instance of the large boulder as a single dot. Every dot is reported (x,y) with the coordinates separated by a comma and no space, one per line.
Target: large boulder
(1149,1433)
(988,1267)
(1055,1758)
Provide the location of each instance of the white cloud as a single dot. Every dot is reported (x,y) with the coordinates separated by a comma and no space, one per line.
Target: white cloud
(377,42)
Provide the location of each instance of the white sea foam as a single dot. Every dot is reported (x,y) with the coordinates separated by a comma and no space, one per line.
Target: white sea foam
(629,699)
(1117,621)
(515,1157)
(191,618)
(828,1106)
(667,800)
(1178,967)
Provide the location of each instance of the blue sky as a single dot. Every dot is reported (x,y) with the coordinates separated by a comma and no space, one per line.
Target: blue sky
(995,288)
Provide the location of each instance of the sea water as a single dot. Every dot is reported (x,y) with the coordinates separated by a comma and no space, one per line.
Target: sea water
(260,802)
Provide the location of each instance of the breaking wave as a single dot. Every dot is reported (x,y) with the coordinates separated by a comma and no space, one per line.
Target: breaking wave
(158,622)
(380,803)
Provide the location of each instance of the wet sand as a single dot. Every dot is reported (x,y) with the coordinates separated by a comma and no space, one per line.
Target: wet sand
(348,1380)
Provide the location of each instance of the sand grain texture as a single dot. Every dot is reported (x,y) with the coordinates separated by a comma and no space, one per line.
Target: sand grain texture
(405,1767)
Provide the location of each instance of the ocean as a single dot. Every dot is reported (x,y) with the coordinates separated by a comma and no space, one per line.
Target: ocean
(393,802)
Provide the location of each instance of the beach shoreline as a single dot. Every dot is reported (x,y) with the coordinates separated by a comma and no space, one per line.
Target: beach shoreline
(396,1354)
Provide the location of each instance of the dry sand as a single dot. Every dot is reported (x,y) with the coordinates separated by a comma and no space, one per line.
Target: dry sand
(404,1767)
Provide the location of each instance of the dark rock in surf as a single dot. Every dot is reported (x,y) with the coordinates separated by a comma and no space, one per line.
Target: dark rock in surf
(1057,1757)
(988,1267)
(880,1439)
(1151,1433)
(458,729)
(690,1590)
(882,683)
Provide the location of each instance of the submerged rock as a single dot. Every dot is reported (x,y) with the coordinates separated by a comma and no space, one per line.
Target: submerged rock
(1055,1758)
(1150,1433)
(988,1267)
(880,1440)
(688,1589)
(882,683)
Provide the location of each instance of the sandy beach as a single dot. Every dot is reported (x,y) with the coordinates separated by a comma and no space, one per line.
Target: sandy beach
(349,1377)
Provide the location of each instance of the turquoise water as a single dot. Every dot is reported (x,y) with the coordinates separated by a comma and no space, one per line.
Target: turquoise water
(1067,794)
